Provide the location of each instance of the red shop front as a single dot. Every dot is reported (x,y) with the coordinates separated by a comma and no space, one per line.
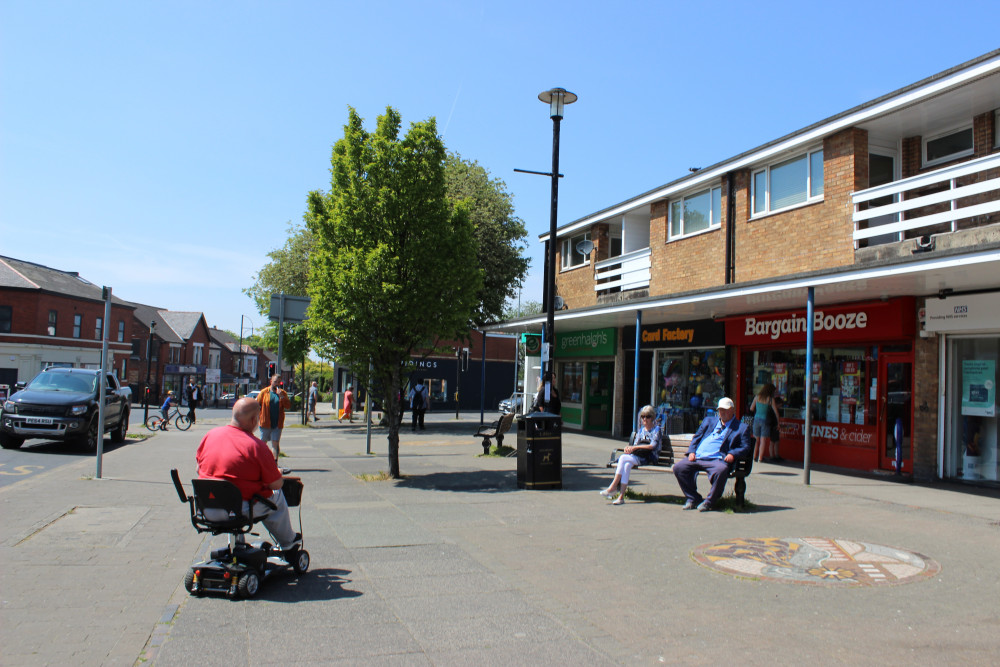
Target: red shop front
(862,393)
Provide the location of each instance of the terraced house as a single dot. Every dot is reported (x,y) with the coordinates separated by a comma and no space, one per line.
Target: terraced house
(887,215)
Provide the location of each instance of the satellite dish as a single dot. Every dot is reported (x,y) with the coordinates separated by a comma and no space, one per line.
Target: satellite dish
(585,247)
(560,303)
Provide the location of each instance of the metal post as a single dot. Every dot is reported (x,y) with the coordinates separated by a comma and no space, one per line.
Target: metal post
(550,318)
(368,406)
(807,447)
(281,333)
(635,381)
(482,385)
(240,375)
(149,368)
(102,381)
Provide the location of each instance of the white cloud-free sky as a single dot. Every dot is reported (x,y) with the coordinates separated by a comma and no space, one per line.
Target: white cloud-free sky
(162,147)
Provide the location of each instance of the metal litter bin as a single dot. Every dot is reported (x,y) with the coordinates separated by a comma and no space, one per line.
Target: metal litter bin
(539,451)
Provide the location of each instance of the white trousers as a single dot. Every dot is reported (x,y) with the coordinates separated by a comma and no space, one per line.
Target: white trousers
(625,464)
(277,522)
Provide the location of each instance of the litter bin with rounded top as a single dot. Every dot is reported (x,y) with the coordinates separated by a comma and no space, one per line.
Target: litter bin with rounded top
(539,451)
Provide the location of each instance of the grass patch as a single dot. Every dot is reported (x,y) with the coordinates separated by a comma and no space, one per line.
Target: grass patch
(727,504)
(499,451)
(380,476)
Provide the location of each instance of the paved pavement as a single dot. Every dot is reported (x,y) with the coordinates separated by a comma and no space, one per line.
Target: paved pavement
(454,565)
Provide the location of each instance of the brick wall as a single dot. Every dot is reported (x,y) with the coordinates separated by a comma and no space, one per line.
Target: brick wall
(811,237)
(925,405)
(576,285)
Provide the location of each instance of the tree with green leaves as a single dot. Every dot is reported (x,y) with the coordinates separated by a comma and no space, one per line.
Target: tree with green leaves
(499,234)
(287,272)
(394,264)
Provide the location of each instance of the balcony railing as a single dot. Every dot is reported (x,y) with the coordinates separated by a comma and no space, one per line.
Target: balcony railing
(904,214)
(626,272)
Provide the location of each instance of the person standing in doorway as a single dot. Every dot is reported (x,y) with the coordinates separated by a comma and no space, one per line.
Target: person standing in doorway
(418,403)
(273,401)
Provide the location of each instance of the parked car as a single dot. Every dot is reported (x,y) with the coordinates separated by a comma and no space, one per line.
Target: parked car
(62,404)
(512,404)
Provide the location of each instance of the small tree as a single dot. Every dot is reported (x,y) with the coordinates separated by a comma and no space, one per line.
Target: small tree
(394,262)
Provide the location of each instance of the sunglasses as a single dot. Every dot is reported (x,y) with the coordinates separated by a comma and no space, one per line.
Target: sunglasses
(646,417)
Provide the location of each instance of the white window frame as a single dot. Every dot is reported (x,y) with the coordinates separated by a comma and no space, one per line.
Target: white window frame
(952,156)
(714,220)
(767,210)
(199,352)
(567,251)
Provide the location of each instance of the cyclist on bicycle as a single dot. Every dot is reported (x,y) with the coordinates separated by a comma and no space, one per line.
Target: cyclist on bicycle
(165,410)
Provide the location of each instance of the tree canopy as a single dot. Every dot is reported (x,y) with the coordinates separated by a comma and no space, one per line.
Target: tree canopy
(499,234)
(394,263)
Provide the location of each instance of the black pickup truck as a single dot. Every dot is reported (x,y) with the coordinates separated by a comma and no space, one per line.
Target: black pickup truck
(62,404)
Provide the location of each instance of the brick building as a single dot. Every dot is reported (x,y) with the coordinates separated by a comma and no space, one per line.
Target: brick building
(884,219)
(167,348)
(50,317)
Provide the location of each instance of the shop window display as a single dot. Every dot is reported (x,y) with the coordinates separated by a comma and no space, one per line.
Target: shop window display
(689,383)
(570,383)
(841,378)
(972,452)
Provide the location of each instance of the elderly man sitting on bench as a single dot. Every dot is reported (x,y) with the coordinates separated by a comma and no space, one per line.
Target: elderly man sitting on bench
(719,441)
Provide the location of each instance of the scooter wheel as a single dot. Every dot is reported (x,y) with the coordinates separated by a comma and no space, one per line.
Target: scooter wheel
(249,584)
(189,582)
(301,563)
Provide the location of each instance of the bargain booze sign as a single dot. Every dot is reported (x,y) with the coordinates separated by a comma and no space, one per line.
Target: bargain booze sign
(880,320)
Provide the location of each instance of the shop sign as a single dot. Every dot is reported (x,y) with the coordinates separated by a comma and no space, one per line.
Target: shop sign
(847,435)
(532,344)
(833,324)
(968,312)
(184,370)
(589,343)
(213,375)
(698,333)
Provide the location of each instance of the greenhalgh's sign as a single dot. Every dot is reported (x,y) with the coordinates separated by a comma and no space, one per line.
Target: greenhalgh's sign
(589,343)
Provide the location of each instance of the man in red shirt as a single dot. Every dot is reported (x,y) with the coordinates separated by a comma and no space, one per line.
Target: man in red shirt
(234,454)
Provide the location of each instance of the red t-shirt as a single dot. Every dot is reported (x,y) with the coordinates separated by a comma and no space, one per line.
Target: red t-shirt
(234,455)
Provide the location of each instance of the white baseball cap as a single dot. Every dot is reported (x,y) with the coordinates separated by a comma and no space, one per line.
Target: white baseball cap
(726,403)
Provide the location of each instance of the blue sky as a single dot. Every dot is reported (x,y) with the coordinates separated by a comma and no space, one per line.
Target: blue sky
(161,148)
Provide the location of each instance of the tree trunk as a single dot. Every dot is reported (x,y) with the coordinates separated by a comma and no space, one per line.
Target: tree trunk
(394,406)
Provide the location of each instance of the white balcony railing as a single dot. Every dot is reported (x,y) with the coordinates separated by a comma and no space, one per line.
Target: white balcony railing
(890,214)
(629,271)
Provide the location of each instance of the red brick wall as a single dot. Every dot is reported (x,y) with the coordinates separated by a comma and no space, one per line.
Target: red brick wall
(925,404)
(576,285)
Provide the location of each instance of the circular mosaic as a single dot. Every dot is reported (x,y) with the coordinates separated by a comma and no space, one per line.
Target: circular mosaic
(815,560)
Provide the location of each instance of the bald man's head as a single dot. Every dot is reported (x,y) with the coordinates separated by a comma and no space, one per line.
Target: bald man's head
(246,412)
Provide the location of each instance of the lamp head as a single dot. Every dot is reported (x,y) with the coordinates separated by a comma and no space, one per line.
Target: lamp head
(557,98)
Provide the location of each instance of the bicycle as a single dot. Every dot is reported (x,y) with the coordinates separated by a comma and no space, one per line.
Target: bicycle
(157,422)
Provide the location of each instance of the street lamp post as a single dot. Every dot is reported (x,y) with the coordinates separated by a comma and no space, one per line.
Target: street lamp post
(556,98)
(149,366)
(240,376)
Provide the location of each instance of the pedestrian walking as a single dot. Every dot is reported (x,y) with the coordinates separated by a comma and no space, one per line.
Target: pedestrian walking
(273,401)
(313,399)
(418,403)
(193,395)
(348,405)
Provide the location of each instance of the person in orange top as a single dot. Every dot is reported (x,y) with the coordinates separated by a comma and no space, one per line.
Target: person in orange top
(273,401)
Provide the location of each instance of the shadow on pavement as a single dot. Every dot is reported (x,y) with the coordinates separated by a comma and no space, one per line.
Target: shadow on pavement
(324,584)
(62,447)
(476,481)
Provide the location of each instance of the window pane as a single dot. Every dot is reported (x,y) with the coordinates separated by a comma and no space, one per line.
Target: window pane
(697,212)
(788,183)
(816,174)
(675,218)
(956,142)
(717,206)
(5,318)
(759,191)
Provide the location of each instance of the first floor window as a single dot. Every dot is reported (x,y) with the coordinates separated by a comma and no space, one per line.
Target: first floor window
(198,351)
(99,328)
(571,255)
(696,213)
(944,147)
(788,183)
(77,325)
(6,313)
(52,323)
(121,331)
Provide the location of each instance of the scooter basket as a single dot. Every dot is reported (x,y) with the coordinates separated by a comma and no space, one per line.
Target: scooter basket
(292,488)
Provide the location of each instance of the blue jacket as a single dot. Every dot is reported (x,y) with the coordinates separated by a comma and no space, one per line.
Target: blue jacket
(738,440)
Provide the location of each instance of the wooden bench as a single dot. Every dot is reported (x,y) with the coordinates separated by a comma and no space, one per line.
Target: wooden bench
(741,468)
(495,430)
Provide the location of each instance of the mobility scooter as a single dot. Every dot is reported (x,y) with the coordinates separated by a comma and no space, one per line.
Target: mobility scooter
(238,569)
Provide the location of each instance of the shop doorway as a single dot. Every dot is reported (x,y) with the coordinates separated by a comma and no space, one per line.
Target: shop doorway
(600,381)
(895,410)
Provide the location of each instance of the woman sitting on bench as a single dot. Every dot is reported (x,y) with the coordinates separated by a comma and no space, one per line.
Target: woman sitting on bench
(643,449)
